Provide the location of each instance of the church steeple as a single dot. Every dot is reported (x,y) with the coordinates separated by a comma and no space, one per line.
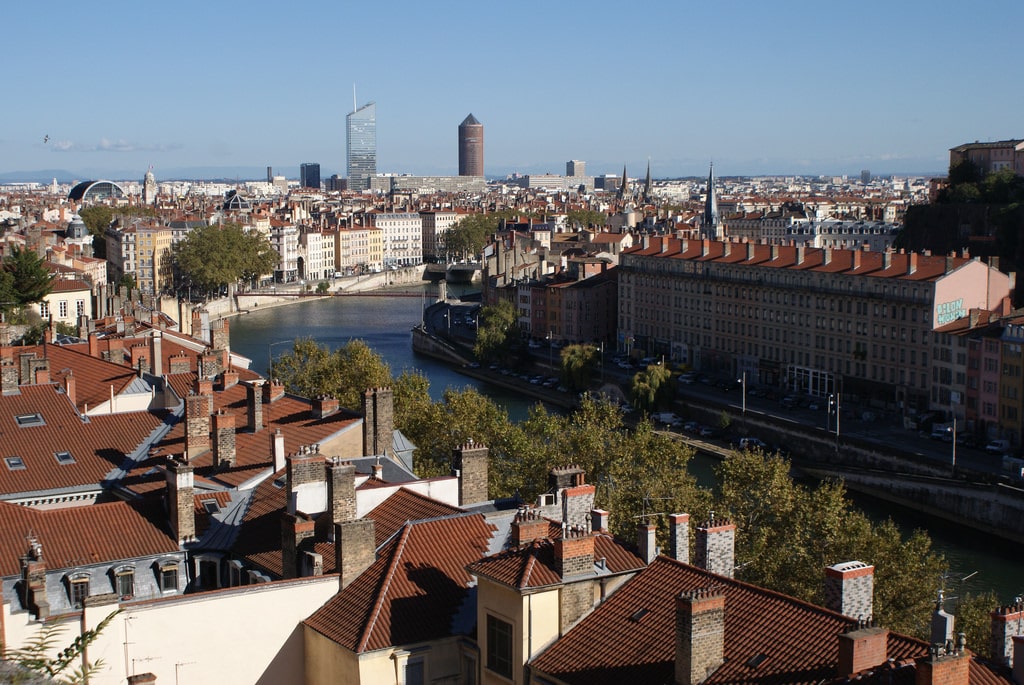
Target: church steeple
(647,183)
(711,227)
(622,184)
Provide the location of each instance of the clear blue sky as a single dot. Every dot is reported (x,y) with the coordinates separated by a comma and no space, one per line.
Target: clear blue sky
(758,87)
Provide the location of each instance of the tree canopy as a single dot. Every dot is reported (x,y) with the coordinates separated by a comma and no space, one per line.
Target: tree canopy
(218,256)
(24,279)
(578,365)
(652,387)
(498,331)
(467,238)
(587,218)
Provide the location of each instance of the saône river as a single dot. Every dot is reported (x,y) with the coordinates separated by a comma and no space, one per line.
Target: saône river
(384,323)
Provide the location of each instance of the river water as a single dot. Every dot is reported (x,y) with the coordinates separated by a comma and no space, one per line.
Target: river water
(384,323)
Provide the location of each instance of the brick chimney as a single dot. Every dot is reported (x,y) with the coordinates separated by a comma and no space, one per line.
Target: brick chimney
(307,480)
(156,343)
(220,336)
(527,526)
(295,529)
(324,406)
(209,364)
(228,379)
(8,376)
(700,635)
(861,649)
(254,406)
(180,500)
(140,361)
(204,387)
(354,548)
(599,520)
(849,589)
(197,425)
(646,541)
(115,350)
(574,553)
(944,666)
(273,390)
(341,491)
(33,575)
(224,440)
(1007,621)
(716,542)
(855,255)
(142,679)
(94,344)
(469,463)
(71,388)
(679,537)
(911,263)
(179,364)
(1018,658)
(577,503)
(378,422)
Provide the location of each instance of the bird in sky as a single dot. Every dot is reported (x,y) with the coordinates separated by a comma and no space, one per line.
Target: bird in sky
(46,138)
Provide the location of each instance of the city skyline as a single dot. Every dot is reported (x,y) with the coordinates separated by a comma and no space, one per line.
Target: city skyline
(796,88)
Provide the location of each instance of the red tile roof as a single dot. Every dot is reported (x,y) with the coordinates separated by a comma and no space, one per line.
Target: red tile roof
(619,643)
(94,377)
(405,505)
(413,592)
(97,446)
(82,535)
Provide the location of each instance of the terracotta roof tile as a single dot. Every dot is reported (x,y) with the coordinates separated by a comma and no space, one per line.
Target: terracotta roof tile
(413,592)
(405,505)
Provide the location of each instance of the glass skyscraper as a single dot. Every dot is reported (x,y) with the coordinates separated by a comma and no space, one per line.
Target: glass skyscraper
(361,150)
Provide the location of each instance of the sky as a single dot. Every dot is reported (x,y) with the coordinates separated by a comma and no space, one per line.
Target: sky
(106,89)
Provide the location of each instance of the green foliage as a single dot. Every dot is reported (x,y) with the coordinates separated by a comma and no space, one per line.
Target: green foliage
(127,281)
(35,661)
(652,387)
(323,287)
(498,331)
(311,370)
(788,533)
(973,619)
(586,218)
(468,237)
(578,364)
(30,281)
(213,257)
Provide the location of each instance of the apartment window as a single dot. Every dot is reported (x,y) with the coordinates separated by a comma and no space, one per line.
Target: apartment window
(169,577)
(44,309)
(124,582)
(78,589)
(499,646)
(62,309)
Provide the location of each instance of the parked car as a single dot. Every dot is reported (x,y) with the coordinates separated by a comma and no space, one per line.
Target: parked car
(752,444)
(707,432)
(998,447)
(667,417)
(691,427)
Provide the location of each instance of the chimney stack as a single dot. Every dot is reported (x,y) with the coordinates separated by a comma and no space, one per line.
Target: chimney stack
(277,450)
(574,552)
(941,625)
(861,649)
(224,440)
(71,388)
(527,526)
(1007,621)
(599,520)
(341,491)
(378,422)
(33,576)
(849,589)
(254,406)
(197,425)
(354,548)
(156,363)
(947,665)
(273,390)
(646,541)
(228,379)
(716,543)
(181,500)
(324,406)
(911,263)
(700,635)
(577,503)
(179,364)
(855,255)
(306,479)
(469,463)
(679,537)
(295,529)
(8,376)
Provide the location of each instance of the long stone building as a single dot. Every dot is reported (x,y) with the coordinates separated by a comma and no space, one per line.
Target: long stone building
(806,319)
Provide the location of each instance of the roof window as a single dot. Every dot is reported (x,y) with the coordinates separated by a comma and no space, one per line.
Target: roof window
(25,420)
(15,463)
(211,506)
(64,458)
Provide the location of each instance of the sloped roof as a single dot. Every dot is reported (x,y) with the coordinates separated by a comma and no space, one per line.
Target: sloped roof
(405,505)
(94,377)
(416,590)
(77,536)
(630,637)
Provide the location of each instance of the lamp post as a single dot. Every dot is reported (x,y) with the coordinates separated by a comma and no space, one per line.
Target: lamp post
(270,355)
(833,406)
(743,384)
(602,362)
(551,352)
(954,445)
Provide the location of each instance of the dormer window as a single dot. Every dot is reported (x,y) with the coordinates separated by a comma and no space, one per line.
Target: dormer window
(26,420)
(15,463)
(124,582)
(64,458)
(78,589)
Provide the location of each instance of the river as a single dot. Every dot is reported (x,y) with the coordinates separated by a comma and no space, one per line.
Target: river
(384,323)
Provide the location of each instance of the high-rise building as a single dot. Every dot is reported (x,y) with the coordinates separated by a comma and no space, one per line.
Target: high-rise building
(361,150)
(575,167)
(309,175)
(471,147)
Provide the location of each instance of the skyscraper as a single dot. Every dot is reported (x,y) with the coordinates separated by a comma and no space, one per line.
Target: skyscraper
(471,147)
(361,150)
(575,167)
(309,175)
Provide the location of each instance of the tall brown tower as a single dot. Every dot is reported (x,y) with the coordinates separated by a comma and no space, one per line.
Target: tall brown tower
(471,147)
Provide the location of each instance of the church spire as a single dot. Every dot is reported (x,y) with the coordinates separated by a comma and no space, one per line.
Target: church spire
(647,183)
(622,184)
(711,228)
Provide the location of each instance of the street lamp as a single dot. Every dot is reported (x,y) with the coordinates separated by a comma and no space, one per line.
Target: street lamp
(954,445)
(551,352)
(270,355)
(743,384)
(833,406)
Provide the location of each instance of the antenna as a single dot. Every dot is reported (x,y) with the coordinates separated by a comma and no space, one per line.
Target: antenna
(354,106)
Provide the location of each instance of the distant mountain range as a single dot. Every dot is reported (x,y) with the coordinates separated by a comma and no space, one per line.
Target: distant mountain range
(184,173)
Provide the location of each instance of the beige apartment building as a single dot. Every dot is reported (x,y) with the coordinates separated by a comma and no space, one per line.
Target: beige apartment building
(806,320)
(359,247)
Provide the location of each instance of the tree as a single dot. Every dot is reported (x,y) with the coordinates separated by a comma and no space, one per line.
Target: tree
(788,533)
(323,287)
(468,237)
(578,364)
(973,618)
(311,370)
(586,218)
(651,387)
(216,257)
(498,331)
(30,280)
